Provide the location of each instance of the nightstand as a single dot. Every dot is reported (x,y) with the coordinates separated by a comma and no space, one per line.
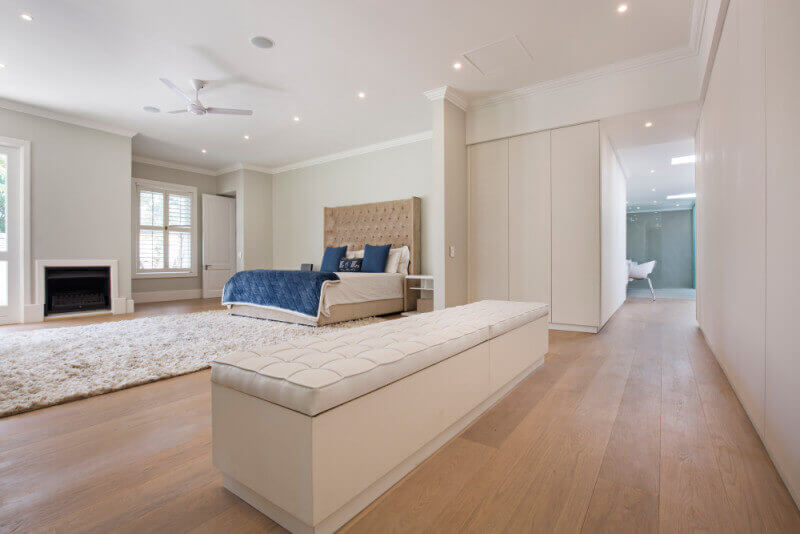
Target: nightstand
(419,293)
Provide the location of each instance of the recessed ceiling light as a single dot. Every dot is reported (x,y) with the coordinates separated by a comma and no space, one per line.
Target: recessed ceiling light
(683,195)
(204,151)
(151,109)
(682,160)
(653,190)
(2,66)
(648,124)
(457,65)
(652,171)
(27,17)
(259,41)
(246,137)
(622,8)
(296,118)
(362,95)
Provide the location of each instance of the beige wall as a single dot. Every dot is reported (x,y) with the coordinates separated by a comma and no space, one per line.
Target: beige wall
(613,231)
(450,196)
(253,192)
(205,184)
(299,196)
(80,192)
(747,185)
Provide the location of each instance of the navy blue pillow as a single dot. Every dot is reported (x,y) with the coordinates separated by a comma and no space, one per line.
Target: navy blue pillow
(330,260)
(375,258)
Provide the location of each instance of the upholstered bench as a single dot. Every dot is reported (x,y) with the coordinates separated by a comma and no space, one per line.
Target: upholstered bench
(311,431)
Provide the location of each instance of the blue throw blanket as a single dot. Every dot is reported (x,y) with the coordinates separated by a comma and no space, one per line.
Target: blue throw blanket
(297,291)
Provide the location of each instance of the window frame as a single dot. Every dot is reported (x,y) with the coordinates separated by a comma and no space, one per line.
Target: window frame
(140,184)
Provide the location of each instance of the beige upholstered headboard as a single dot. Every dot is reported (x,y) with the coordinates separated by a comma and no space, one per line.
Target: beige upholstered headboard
(379,223)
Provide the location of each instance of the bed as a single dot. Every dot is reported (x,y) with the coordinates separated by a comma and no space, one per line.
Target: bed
(334,297)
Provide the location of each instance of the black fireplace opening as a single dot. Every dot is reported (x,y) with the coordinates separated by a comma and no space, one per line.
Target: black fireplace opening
(75,289)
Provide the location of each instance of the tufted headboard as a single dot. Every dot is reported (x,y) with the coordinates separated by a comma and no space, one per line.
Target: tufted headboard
(397,222)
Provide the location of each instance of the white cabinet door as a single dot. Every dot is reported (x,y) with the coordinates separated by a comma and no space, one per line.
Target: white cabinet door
(219,243)
(529,217)
(575,182)
(488,221)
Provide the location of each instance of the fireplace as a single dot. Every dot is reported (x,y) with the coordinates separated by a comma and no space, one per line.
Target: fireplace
(76,289)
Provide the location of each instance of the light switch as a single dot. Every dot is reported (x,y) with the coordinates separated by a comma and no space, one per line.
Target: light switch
(452,251)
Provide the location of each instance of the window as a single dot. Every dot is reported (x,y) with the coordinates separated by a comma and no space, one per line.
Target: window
(165,233)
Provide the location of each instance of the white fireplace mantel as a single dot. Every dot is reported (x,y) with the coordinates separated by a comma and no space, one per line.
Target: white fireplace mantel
(118,304)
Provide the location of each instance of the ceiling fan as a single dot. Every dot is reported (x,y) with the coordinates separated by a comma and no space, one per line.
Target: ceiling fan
(194,105)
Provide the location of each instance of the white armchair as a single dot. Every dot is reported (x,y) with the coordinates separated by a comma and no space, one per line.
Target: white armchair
(641,271)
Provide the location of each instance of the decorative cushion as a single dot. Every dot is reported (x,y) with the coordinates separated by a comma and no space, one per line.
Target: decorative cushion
(375,258)
(350,265)
(330,260)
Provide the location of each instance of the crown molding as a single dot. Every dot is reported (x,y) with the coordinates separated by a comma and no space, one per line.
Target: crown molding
(174,166)
(256,168)
(400,141)
(447,93)
(19,107)
(630,65)
(229,168)
(643,62)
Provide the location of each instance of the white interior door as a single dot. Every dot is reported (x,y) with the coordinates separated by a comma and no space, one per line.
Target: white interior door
(9,236)
(219,243)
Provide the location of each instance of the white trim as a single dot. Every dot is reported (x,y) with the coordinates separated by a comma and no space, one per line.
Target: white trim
(166,187)
(573,328)
(447,93)
(634,64)
(242,166)
(118,304)
(28,109)
(175,166)
(400,141)
(165,296)
(24,255)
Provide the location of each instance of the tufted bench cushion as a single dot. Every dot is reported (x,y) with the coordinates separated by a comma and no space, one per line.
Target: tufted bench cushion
(316,373)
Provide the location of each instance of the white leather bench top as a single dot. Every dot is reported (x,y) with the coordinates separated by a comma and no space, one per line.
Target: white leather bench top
(316,373)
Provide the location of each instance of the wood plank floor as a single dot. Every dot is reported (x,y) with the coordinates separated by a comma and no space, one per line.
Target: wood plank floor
(635,429)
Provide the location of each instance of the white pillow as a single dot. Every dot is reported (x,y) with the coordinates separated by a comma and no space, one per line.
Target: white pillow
(405,259)
(393,261)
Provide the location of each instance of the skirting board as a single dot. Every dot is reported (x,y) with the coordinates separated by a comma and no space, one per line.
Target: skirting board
(164,296)
(574,328)
(337,519)
(34,313)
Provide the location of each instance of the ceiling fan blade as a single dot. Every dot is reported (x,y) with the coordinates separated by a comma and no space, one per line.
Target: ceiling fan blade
(178,111)
(226,111)
(175,88)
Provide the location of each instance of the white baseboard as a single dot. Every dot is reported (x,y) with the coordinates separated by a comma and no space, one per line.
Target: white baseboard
(212,293)
(164,296)
(33,313)
(574,328)
(129,306)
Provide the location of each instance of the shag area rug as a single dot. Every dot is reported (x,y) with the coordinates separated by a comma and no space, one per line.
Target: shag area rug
(40,368)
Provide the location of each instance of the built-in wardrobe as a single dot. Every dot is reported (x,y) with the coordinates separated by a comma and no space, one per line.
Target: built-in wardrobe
(535,222)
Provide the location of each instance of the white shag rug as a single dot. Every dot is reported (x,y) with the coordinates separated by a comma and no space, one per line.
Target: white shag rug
(40,368)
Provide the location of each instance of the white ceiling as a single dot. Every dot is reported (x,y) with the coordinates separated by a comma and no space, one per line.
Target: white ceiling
(642,150)
(100,61)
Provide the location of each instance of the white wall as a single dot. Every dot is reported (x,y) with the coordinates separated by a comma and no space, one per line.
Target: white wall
(782,417)
(747,247)
(613,231)
(80,192)
(300,195)
(205,184)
